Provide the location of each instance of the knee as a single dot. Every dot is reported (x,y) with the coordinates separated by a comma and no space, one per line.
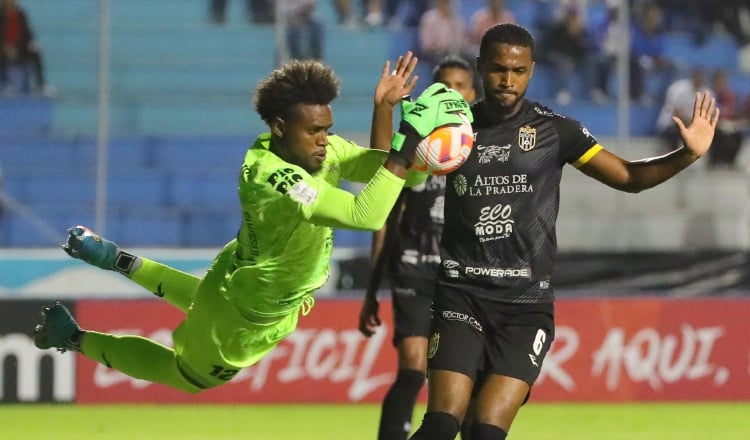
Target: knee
(411,380)
(437,426)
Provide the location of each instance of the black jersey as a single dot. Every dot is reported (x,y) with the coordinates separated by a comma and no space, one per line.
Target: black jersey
(501,206)
(416,253)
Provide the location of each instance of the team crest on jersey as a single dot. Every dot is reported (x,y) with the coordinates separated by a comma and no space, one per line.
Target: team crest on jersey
(433,346)
(527,138)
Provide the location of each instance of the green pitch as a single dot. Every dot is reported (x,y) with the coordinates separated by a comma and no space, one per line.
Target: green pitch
(720,421)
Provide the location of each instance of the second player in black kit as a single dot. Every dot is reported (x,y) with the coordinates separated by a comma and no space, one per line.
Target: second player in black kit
(493,314)
(500,235)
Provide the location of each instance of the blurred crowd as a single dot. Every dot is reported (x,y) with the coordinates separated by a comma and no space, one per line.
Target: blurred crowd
(579,46)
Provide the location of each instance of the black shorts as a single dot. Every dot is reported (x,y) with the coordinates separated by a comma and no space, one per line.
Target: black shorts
(478,337)
(412,298)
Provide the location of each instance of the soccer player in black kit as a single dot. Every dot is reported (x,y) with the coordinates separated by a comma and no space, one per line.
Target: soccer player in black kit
(409,247)
(493,315)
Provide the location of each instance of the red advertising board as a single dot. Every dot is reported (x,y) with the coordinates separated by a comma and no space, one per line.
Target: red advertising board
(605,350)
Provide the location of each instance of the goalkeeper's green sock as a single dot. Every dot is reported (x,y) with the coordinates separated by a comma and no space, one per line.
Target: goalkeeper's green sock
(138,357)
(174,286)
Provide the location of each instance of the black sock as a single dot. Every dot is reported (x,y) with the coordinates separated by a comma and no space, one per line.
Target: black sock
(398,405)
(484,431)
(437,426)
(466,426)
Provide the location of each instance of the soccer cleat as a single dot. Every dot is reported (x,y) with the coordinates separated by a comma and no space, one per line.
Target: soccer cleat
(58,330)
(85,245)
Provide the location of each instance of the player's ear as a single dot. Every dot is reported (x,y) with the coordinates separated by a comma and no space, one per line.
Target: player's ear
(278,127)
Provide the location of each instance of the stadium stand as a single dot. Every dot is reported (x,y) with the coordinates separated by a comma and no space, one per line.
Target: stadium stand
(181,118)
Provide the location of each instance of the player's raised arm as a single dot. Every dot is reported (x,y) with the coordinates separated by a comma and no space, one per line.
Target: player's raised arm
(635,176)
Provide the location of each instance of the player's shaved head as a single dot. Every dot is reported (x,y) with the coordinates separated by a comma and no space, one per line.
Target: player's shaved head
(506,33)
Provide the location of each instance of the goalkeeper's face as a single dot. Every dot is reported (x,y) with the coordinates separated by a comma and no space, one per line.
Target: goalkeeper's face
(303,135)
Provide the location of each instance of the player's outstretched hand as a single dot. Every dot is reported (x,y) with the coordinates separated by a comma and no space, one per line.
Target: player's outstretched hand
(698,136)
(369,318)
(397,83)
(437,106)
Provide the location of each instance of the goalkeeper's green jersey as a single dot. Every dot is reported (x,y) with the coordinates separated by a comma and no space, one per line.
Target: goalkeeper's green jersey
(284,244)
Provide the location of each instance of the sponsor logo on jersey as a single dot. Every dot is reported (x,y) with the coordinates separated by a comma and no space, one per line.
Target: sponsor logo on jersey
(488,153)
(282,179)
(460,184)
(527,138)
(587,133)
(532,358)
(499,272)
(450,315)
(450,264)
(495,223)
(500,185)
(543,112)
(450,268)
(303,193)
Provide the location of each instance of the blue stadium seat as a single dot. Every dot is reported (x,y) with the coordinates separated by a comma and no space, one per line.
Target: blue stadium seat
(199,152)
(45,225)
(200,188)
(209,227)
(139,189)
(21,152)
(50,186)
(131,227)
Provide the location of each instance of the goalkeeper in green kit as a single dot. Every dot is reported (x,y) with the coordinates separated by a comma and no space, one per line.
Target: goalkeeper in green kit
(258,285)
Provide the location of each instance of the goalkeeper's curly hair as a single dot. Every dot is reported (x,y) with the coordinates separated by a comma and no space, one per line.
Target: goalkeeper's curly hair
(297,82)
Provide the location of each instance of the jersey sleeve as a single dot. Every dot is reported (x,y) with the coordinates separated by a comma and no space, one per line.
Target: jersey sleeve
(359,164)
(577,144)
(281,190)
(367,210)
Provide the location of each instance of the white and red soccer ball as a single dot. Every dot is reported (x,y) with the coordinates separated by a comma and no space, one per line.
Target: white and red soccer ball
(445,149)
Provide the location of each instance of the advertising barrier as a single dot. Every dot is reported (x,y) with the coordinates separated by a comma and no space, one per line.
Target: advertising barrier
(605,350)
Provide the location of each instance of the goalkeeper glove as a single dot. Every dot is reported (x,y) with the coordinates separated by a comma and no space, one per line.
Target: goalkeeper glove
(437,106)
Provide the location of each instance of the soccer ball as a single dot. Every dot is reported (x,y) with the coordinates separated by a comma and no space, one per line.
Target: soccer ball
(445,149)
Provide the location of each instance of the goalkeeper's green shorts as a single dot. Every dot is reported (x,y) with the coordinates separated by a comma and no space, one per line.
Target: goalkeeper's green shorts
(215,341)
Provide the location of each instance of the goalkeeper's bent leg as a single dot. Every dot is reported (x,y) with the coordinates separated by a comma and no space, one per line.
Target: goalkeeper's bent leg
(173,285)
(138,357)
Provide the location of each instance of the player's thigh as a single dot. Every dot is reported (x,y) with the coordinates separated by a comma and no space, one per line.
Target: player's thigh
(198,343)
